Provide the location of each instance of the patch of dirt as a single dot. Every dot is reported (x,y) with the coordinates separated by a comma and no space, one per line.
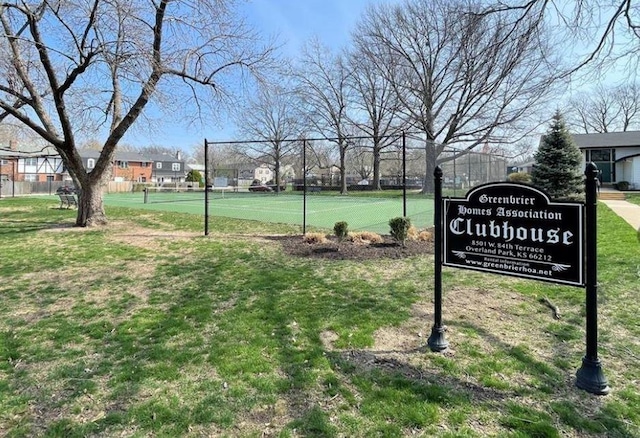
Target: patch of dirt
(347,250)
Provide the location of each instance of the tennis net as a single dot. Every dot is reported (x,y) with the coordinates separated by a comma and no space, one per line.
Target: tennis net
(172,194)
(154,195)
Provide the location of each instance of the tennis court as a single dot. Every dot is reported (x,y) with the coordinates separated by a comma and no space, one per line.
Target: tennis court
(362,211)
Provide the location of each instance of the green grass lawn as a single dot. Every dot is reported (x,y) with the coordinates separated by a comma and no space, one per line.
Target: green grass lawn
(364,211)
(633,197)
(148,328)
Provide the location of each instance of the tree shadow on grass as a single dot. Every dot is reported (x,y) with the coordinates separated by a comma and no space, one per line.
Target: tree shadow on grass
(444,388)
(555,389)
(9,227)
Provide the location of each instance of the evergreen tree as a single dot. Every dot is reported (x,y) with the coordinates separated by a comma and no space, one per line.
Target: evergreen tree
(557,169)
(194,176)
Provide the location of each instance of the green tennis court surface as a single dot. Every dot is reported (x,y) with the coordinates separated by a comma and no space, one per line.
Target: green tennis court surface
(363,212)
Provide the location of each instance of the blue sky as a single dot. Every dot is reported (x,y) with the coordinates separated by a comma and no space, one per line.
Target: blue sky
(296,21)
(293,22)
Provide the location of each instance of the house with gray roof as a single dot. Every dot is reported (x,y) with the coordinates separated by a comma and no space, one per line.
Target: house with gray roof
(167,168)
(127,166)
(617,155)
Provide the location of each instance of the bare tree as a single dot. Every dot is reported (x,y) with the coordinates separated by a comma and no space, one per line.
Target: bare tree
(610,30)
(272,119)
(375,106)
(605,109)
(8,132)
(323,87)
(595,111)
(94,65)
(360,159)
(321,155)
(463,79)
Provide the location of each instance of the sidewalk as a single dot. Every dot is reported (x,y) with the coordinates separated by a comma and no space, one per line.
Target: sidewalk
(626,210)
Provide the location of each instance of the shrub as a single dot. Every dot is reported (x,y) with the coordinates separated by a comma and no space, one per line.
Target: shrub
(314,238)
(194,176)
(419,235)
(399,228)
(523,177)
(341,230)
(425,236)
(622,185)
(365,237)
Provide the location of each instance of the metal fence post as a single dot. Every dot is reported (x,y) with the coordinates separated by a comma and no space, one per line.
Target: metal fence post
(206,187)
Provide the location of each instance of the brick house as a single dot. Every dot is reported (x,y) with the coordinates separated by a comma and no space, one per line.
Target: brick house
(31,164)
(127,166)
(8,164)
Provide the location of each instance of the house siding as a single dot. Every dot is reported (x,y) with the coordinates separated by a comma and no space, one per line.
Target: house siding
(626,145)
(126,166)
(167,168)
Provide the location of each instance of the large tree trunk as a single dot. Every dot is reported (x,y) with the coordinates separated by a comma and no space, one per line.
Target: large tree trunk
(431,156)
(91,205)
(90,185)
(376,168)
(343,170)
(277,172)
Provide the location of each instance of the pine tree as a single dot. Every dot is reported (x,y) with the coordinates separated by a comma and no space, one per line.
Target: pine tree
(557,169)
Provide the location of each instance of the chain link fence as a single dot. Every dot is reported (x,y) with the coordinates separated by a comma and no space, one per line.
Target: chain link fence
(318,182)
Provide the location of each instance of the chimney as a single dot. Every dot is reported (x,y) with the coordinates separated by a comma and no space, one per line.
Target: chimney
(13,145)
(178,156)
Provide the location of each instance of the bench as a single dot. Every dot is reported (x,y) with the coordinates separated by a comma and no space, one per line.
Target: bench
(313,189)
(68,201)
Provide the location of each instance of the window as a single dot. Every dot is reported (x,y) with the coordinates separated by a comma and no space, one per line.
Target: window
(31,177)
(91,163)
(600,154)
(30,161)
(4,162)
(158,165)
(123,164)
(606,155)
(175,167)
(144,164)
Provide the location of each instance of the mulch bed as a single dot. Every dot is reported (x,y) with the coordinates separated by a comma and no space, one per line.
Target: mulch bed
(347,250)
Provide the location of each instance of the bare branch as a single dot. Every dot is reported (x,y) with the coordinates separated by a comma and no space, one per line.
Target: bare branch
(70,70)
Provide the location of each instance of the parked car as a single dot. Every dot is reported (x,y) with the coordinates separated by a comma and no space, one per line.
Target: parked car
(260,188)
(274,186)
(66,190)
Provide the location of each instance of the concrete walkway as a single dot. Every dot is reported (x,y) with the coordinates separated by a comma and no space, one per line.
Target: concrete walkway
(626,210)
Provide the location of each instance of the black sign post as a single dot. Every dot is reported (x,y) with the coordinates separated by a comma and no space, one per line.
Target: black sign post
(590,376)
(515,229)
(437,341)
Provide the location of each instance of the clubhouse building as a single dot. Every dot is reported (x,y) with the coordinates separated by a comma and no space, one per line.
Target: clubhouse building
(617,155)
